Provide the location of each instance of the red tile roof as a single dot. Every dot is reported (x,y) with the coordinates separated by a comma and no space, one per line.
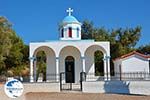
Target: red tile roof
(132,53)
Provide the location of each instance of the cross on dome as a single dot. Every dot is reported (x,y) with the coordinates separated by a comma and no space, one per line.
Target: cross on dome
(69,11)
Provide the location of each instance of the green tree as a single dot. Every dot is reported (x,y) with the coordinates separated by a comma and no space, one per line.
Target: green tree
(25,52)
(14,59)
(10,48)
(99,69)
(145,49)
(5,42)
(87,29)
(41,64)
(124,40)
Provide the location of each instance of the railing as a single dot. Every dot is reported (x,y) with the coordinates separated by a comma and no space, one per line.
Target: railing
(35,78)
(93,77)
(67,85)
(4,78)
(140,76)
(132,76)
(71,85)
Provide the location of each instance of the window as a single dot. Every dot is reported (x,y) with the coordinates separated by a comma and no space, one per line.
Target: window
(70,32)
(149,65)
(62,32)
(77,32)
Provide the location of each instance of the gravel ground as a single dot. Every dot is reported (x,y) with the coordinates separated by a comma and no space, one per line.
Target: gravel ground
(82,96)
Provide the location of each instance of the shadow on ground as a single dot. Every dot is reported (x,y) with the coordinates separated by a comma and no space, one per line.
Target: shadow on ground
(120,87)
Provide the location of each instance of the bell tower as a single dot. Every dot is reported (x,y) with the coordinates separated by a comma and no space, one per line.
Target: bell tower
(70,27)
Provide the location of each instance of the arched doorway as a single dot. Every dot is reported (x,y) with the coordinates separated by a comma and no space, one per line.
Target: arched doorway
(44,66)
(69,69)
(76,55)
(94,62)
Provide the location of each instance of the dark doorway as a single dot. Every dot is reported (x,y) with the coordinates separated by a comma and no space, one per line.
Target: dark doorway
(69,70)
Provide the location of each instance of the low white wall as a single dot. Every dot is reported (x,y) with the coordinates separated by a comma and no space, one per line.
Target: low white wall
(32,87)
(127,87)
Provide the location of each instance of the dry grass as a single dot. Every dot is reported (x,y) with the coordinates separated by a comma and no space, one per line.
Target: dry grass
(82,96)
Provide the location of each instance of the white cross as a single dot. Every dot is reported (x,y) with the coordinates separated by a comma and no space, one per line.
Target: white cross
(69,11)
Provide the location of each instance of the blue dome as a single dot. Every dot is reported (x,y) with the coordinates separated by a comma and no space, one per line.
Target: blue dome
(70,19)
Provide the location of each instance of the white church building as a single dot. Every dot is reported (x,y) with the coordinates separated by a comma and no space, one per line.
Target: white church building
(69,54)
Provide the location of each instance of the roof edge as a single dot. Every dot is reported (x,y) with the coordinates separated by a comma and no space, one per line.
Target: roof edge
(130,54)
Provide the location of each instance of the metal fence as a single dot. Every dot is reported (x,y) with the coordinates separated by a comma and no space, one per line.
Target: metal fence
(4,78)
(131,76)
(36,78)
(75,86)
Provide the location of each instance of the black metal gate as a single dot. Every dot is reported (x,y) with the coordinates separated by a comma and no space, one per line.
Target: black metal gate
(71,86)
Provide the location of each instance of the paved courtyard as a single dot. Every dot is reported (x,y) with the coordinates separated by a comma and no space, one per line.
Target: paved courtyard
(82,96)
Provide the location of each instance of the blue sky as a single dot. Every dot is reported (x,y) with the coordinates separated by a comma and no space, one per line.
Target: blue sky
(37,20)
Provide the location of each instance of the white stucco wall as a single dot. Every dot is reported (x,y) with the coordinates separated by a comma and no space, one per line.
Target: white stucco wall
(126,87)
(117,63)
(133,63)
(51,67)
(89,61)
(78,49)
(82,45)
